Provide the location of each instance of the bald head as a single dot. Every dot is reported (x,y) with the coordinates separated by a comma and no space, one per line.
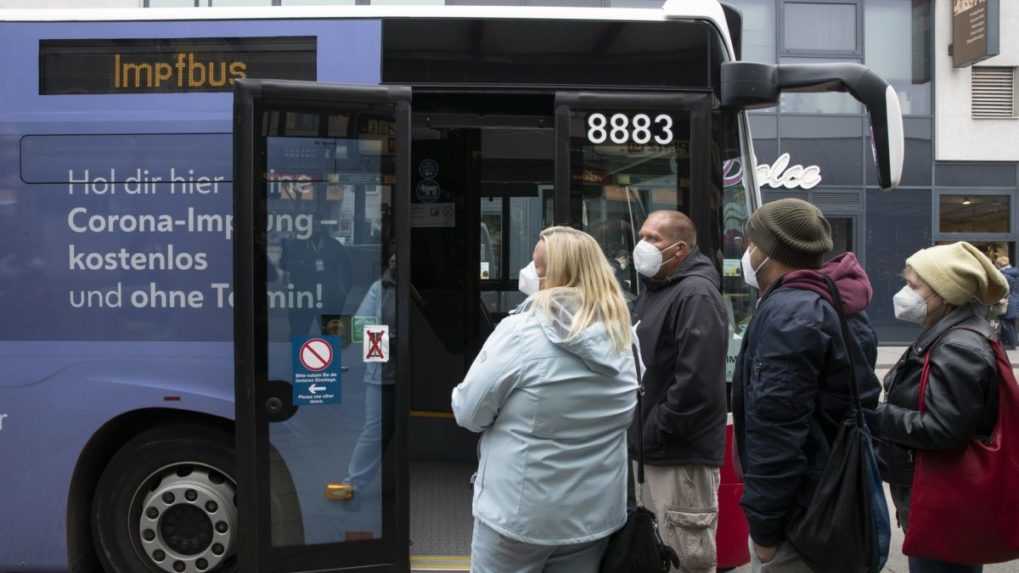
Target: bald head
(672,233)
(673,226)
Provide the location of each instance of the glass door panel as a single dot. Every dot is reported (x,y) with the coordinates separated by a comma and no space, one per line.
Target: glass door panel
(623,156)
(319,325)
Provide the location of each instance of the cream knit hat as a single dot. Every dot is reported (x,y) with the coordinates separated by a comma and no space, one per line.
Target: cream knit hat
(959,273)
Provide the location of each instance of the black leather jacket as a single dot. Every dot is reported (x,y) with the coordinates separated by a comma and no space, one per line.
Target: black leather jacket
(961,397)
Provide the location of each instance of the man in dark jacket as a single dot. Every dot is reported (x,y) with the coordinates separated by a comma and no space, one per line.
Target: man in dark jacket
(791,386)
(683,339)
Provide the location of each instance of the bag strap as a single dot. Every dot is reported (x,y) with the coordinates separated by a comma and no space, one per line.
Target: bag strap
(925,375)
(836,301)
(640,415)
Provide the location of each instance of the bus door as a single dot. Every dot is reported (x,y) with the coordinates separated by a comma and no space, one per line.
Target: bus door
(624,155)
(321,245)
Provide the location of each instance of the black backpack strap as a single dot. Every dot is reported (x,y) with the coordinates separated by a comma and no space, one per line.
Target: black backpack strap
(836,301)
(640,415)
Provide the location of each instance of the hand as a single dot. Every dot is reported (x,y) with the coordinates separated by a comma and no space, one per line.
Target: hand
(765,554)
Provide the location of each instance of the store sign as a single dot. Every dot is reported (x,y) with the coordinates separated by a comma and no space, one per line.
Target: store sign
(975,31)
(781,175)
(76,67)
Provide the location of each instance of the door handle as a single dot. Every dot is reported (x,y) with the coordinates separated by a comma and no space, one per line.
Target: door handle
(274,406)
(278,403)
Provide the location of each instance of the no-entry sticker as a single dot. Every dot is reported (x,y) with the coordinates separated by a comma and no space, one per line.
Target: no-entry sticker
(316,370)
(376,343)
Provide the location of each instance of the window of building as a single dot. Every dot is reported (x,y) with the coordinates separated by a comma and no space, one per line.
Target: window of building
(171,3)
(829,27)
(981,218)
(758,29)
(977,213)
(207,3)
(994,93)
(897,45)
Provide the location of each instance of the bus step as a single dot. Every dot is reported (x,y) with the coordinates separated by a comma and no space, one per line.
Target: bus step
(440,563)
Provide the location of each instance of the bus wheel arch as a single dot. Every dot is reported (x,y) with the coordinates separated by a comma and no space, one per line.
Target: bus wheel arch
(210,442)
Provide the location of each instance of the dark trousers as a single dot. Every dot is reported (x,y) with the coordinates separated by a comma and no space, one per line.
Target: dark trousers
(900,497)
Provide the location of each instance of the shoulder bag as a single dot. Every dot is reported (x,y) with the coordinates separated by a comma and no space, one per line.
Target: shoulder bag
(846,528)
(963,502)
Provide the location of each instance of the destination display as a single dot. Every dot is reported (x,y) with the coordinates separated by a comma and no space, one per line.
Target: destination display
(170,65)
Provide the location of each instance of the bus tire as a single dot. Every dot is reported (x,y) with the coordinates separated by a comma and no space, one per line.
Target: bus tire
(167,500)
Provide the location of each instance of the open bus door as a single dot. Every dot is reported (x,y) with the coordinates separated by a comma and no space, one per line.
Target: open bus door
(321,211)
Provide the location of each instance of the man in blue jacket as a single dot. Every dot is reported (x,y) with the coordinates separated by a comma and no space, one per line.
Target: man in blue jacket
(683,339)
(1007,320)
(791,386)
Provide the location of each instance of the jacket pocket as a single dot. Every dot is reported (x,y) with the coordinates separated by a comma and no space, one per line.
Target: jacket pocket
(692,535)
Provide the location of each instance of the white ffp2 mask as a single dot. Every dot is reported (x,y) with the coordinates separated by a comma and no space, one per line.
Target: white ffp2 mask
(528,280)
(647,259)
(910,306)
(749,272)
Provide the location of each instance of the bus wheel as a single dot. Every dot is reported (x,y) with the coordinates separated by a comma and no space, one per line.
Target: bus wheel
(166,503)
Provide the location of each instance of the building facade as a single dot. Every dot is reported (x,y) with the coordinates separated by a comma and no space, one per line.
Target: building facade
(961,170)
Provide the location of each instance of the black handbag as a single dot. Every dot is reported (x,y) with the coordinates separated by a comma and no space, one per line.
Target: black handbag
(846,528)
(638,546)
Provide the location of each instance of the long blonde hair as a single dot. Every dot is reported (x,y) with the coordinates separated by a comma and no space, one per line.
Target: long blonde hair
(575,263)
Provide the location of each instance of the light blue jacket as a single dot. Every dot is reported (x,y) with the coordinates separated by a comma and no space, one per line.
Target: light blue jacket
(553,413)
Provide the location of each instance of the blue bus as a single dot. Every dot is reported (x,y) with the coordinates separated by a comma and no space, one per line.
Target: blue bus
(247,253)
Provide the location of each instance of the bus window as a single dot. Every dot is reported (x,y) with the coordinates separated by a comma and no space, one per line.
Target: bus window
(617,181)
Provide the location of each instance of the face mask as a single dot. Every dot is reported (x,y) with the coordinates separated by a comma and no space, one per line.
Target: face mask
(529,282)
(749,272)
(910,306)
(647,259)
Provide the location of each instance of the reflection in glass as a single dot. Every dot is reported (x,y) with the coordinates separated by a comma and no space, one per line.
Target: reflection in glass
(330,278)
(739,298)
(974,213)
(491,238)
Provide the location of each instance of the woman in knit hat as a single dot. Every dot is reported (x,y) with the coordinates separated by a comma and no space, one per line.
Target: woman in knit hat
(948,290)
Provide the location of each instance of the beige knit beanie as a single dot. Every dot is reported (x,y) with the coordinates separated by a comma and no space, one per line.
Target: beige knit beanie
(959,273)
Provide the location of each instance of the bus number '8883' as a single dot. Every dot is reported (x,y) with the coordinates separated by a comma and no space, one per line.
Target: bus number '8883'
(620,128)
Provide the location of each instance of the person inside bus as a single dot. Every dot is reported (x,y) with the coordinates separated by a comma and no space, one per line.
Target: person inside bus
(683,334)
(792,374)
(948,290)
(318,264)
(552,392)
(379,305)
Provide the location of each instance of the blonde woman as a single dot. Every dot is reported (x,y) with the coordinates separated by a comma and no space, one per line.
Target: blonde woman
(552,393)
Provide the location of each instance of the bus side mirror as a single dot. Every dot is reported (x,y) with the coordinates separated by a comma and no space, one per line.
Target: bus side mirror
(750,85)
